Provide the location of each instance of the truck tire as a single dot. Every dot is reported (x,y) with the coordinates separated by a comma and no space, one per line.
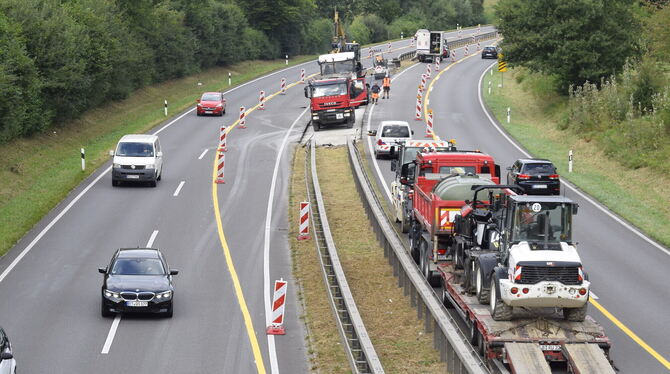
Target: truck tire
(480,289)
(575,314)
(425,265)
(316,126)
(499,310)
(352,120)
(468,273)
(414,232)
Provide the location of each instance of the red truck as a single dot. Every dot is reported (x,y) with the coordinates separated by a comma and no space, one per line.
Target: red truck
(338,90)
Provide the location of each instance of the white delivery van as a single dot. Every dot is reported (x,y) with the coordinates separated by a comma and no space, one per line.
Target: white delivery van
(137,158)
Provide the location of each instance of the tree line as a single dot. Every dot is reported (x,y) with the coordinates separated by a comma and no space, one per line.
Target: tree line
(60,58)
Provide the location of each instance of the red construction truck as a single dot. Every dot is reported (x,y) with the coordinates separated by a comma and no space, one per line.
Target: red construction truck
(339,89)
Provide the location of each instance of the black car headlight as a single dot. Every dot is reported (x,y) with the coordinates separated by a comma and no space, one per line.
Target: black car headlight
(112,295)
(164,295)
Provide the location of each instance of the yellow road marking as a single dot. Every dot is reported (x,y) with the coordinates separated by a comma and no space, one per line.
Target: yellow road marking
(631,334)
(258,357)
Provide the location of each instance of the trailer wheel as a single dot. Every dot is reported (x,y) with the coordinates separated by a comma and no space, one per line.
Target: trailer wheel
(468,272)
(473,333)
(480,289)
(413,247)
(575,314)
(499,310)
(425,264)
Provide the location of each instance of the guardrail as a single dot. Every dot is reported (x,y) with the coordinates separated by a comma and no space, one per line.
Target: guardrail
(407,55)
(360,352)
(447,338)
(473,39)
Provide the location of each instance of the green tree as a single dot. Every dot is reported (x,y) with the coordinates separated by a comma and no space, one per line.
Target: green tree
(358,31)
(576,40)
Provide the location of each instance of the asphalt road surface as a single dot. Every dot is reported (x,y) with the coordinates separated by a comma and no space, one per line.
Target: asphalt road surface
(50,287)
(628,273)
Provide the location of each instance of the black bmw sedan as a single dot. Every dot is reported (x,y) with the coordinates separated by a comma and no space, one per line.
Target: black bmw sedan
(137,280)
(490,52)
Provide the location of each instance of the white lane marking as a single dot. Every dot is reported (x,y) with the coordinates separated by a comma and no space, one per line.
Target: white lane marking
(593,295)
(372,151)
(176,192)
(111,334)
(266,247)
(152,238)
(566,183)
(117,319)
(203,154)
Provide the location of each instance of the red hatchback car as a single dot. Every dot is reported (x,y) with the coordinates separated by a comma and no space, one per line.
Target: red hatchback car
(211,103)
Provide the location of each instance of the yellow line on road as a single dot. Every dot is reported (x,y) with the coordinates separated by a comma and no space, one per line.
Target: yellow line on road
(631,334)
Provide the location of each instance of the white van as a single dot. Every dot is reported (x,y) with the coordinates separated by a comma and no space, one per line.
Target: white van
(388,136)
(138,158)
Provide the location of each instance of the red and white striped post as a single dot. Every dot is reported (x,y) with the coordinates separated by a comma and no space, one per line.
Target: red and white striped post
(437,63)
(283,86)
(219,168)
(466,49)
(453,55)
(222,140)
(411,43)
(303,228)
(278,303)
(428,71)
(429,124)
(479,46)
(242,121)
(389,46)
(302,76)
(261,101)
(417,117)
(423,81)
(369,52)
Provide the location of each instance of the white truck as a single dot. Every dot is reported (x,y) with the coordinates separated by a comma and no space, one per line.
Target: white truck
(431,44)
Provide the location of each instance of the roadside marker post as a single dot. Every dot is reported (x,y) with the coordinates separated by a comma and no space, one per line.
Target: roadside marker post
(428,71)
(165,108)
(219,168)
(283,86)
(466,49)
(417,117)
(230,78)
(302,76)
(83,160)
(437,64)
(222,140)
(303,228)
(570,161)
(242,121)
(479,46)
(429,124)
(278,302)
(489,87)
(389,46)
(453,56)
(369,52)
(423,81)
(509,111)
(286,59)
(261,101)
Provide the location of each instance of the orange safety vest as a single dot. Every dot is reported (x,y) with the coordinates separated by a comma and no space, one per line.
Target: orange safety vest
(387,82)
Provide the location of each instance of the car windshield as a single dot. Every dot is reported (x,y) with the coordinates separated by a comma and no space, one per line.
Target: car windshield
(338,67)
(138,266)
(534,169)
(132,149)
(330,90)
(537,222)
(210,97)
(395,131)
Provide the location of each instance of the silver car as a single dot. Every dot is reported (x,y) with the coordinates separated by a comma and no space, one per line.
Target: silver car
(7,361)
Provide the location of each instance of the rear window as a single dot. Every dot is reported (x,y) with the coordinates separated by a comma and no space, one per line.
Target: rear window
(134,149)
(395,131)
(539,169)
(490,48)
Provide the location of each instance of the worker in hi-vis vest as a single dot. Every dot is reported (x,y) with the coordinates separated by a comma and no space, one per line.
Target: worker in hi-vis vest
(386,84)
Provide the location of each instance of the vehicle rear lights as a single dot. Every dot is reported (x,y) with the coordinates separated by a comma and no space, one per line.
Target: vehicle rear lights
(380,142)
(514,290)
(553,176)
(582,291)
(523,176)
(525,290)
(441,252)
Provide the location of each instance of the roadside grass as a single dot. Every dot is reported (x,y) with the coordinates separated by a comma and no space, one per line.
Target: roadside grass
(396,333)
(640,196)
(37,173)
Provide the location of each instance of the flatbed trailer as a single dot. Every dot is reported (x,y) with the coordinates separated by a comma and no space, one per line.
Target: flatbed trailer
(532,339)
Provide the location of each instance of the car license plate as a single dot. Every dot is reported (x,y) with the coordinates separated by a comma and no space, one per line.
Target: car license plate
(539,186)
(339,116)
(137,303)
(208,111)
(550,347)
(133,176)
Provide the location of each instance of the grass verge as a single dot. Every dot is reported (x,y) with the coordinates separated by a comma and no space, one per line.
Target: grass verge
(38,172)
(640,196)
(397,335)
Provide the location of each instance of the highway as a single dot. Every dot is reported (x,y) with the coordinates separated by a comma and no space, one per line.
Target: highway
(50,286)
(628,273)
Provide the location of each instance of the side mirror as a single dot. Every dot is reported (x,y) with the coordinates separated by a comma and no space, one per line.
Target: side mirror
(412,132)
(111,153)
(372,133)
(102,270)
(6,356)
(307,92)
(174,271)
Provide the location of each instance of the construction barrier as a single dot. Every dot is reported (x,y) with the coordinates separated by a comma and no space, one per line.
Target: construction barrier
(429,124)
(278,302)
(479,46)
(302,76)
(423,81)
(389,46)
(453,56)
(283,86)
(242,121)
(261,101)
(303,230)
(437,64)
(417,117)
(428,71)
(466,50)
(222,140)
(219,168)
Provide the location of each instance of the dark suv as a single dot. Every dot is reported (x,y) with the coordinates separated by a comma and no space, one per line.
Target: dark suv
(490,52)
(535,175)
(7,362)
